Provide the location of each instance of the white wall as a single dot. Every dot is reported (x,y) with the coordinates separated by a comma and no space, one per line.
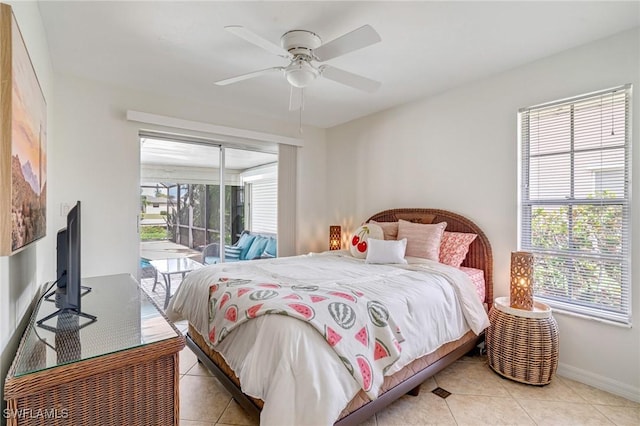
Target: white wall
(313,227)
(458,151)
(98,161)
(22,273)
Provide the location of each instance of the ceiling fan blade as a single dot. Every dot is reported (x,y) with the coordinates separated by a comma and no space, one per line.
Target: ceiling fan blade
(356,39)
(296,99)
(254,38)
(349,79)
(247,76)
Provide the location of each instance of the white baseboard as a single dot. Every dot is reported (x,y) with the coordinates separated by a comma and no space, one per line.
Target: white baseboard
(601,382)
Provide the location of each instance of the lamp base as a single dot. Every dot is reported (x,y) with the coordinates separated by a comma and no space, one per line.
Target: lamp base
(521,298)
(524,307)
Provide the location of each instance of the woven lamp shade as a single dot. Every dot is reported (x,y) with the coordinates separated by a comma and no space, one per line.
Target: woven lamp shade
(521,280)
(335,237)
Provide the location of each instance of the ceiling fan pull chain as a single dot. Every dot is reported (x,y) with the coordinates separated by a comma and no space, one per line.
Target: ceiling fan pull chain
(300,113)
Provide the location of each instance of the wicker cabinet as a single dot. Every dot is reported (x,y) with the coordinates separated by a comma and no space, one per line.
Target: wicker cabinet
(522,345)
(120,370)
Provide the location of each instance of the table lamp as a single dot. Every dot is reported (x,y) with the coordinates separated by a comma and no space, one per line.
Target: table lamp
(521,287)
(335,237)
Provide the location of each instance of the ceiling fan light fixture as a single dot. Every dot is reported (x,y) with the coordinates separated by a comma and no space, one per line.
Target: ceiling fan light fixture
(303,48)
(301,73)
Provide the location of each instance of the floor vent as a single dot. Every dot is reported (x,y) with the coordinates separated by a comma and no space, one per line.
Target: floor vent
(441,392)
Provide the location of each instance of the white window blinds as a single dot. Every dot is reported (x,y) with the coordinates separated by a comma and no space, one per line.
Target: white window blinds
(575,202)
(264,205)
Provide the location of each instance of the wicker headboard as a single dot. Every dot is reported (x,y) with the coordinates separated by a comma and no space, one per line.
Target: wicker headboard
(479,256)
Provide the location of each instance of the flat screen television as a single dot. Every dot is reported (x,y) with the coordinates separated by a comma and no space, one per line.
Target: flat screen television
(68,294)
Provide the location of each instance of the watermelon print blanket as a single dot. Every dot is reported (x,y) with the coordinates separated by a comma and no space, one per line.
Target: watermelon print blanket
(359,329)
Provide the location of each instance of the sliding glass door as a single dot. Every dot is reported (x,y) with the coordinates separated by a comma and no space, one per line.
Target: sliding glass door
(195,194)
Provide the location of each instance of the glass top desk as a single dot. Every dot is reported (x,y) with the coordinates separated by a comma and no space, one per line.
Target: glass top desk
(118,368)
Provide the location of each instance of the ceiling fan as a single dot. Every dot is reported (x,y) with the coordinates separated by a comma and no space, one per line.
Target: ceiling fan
(302,48)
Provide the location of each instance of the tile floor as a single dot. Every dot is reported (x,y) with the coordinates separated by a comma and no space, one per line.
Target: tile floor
(478,397)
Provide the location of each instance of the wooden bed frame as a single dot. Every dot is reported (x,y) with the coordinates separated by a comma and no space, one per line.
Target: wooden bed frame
(479,257)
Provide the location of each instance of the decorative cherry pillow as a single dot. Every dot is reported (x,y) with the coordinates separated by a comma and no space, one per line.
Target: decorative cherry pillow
(358,244)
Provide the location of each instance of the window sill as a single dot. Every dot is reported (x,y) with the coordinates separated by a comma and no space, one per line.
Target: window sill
(590,318)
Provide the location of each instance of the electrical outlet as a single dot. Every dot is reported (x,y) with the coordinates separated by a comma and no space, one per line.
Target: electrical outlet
(64,209)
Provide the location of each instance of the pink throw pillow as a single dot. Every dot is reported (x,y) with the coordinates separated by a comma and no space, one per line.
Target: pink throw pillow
(423,240)
(454,247)
(390,229)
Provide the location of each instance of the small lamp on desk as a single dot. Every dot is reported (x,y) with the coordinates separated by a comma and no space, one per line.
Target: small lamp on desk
(521,288)
(335,237)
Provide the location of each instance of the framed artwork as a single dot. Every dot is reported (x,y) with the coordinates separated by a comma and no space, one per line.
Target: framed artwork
(23,140)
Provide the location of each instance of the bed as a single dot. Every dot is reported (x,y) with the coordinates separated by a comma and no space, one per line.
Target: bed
(239,358)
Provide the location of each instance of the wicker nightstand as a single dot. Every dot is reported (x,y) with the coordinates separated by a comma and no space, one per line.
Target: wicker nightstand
(522,345)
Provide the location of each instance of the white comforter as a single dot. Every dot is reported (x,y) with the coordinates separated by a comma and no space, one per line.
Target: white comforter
(289,365)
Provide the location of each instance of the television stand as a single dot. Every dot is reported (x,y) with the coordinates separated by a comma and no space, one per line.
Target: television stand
(83,290)
(66,327)
(123,370)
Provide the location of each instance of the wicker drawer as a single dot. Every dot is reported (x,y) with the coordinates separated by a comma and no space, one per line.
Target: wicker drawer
(139,389)
(523,345)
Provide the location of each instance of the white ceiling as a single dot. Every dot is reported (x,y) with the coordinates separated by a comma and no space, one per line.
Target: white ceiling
(180,48)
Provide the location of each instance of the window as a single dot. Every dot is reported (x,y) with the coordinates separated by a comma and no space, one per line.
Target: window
(574,212)
(261,187)
(264,205)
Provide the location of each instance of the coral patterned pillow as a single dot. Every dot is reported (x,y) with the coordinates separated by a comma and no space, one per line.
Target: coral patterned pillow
(358,245)
(454,247)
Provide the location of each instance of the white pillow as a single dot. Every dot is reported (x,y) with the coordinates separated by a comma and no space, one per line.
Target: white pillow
(386,251)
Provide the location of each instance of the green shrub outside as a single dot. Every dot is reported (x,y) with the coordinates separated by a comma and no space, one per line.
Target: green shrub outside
(149,233)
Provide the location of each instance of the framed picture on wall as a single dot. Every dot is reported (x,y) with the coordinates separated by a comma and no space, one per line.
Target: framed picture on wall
(23,140)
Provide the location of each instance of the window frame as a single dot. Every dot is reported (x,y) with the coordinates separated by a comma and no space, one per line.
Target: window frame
(526,205)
